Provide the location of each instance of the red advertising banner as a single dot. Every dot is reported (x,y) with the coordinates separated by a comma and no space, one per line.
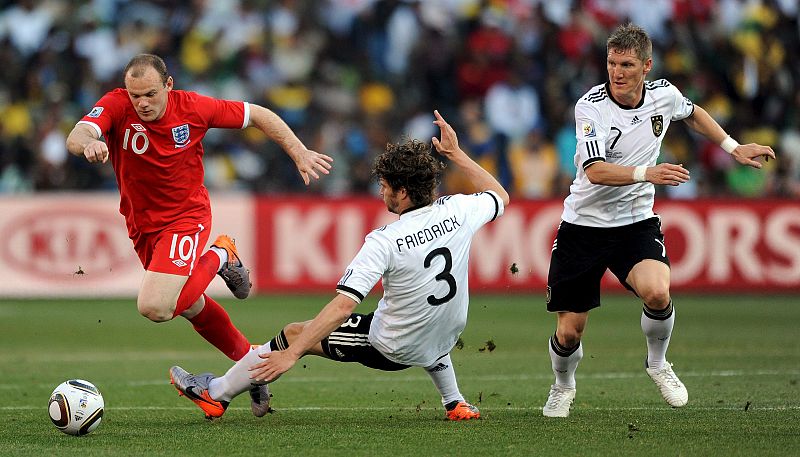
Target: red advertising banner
(731,246)
(72,245)
(76,244)
(304,244)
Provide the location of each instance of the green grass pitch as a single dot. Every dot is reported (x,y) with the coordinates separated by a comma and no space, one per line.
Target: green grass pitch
(739,357)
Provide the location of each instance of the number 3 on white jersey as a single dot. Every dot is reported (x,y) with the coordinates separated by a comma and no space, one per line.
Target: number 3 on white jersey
(443,276)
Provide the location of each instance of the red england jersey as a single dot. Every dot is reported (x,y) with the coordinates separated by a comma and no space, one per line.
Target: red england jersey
(159,164)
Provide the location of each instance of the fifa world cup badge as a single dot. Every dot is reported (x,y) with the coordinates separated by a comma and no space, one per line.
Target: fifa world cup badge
(588,129)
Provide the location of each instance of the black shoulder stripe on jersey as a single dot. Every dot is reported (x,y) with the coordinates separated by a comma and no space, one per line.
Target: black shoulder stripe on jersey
(350,290)
(592,160)
(496,205)
(592,149)
(597,96)
(650,85)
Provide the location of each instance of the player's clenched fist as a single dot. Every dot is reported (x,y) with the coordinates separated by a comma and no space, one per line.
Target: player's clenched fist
(96,151)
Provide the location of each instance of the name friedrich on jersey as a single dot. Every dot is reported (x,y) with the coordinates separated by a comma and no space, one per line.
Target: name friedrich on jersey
(428,234)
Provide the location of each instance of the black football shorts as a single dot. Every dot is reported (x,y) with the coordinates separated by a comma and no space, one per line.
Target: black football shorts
(350,343)
(582,254)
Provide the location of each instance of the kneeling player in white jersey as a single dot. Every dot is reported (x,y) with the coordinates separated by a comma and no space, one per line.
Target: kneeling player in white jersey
(608,220)
(422,260)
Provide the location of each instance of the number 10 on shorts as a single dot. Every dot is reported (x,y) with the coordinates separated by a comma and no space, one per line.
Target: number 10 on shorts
(185,247)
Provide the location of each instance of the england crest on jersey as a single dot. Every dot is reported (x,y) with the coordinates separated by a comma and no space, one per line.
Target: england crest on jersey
(658,124)
(181,135)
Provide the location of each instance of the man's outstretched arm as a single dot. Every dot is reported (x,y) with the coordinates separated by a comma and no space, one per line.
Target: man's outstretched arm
(329,319)
(309,163)
(702,122)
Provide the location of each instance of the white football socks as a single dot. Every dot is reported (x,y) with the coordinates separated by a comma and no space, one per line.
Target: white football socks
(444,378)
(564,367)
(223,256)
(237,379)
(657,330)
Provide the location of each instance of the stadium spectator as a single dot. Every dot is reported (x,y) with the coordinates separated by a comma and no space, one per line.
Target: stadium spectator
(730,50)
(512,110)
(486,56)
(477,141)
(535,166)
(28,23)
(153,135)
(608,220)
(426,293)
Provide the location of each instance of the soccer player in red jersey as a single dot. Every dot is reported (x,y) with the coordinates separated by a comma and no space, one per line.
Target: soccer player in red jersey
(152,134)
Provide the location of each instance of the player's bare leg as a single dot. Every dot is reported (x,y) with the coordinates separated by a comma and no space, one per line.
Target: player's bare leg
(158,295)
(650,279)
(158,298)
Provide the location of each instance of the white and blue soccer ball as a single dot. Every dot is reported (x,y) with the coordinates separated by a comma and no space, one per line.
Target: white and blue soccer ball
(76,407)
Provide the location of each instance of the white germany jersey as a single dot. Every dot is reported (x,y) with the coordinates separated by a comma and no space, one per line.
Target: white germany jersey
(423,261)
(622,135)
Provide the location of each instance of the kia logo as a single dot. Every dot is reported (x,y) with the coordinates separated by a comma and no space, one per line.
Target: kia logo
(60,243)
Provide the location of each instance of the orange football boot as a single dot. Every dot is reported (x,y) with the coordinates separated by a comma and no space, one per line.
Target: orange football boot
(461,411)
(195,388)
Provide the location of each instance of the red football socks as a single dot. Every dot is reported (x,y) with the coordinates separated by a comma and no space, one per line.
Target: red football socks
(198,282)
(214,324)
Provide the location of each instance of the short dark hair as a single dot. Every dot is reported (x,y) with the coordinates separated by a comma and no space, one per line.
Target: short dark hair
(410,166)
(141,62)
(631,36)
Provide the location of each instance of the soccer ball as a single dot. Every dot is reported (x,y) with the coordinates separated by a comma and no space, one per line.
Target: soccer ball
(76,407)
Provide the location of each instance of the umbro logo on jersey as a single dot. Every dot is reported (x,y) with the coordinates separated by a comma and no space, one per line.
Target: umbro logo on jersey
(138,127)
(635,120)
(179,262)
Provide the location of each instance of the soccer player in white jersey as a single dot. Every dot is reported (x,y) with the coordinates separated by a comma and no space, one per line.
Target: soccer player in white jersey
(608,220)
(422,260)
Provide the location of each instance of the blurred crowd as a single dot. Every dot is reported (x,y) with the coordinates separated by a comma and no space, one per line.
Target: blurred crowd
(351,75)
